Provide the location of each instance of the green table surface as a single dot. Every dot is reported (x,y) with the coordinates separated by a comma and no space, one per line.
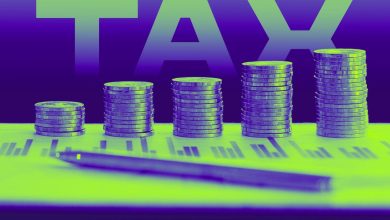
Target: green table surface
(30,175)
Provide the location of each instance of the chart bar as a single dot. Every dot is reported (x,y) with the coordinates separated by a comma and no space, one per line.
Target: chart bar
(215,152)
(360,152)
(264,150)
(187,151)
(53,147)
(17,152)
(27,147)
(103,145)
(195,151)
(257,150)
(129,145)
(231,153)
(3,148)
(345,152)
(171,146)
(237,149)
(369,152)
(325,152)
(319,154)
(222,152)
(277,146)
(10,149)
(144,145)
(298,148)
(311,154)
(355,155)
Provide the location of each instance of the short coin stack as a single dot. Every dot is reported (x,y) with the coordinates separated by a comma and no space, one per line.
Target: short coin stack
(341,93)
(59,119)
(267,99)
(128,109)
(198,107)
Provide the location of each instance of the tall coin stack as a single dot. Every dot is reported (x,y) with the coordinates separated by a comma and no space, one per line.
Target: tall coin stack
(59,119)
(198,107)
(267,99)
(341,93)
(128,109)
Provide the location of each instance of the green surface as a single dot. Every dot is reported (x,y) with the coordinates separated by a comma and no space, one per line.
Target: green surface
(360,180)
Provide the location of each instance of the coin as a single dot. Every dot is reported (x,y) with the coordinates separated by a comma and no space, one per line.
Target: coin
(59,106)
(198,106)
(60,134)
(268,65)
(266,131)
(196,81)
(196,88)
(56,130)
(201,93)
(264,135)
(339,53)
(205,101)
(180,113)
(129,135)
(127,130)
(190,135)
(128,86)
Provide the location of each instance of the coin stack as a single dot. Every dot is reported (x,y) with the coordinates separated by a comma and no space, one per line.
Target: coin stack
(128,109)
(267,99)
(59,119)
(198,107)
(341,93)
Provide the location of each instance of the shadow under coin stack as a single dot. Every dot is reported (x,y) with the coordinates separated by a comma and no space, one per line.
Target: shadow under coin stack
(341,93)
(59,119)
(128,109)
(267,99)
(198,107)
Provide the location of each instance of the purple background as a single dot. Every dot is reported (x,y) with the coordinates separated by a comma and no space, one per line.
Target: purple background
(37,56)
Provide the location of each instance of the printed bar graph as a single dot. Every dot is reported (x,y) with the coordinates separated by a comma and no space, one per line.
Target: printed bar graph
(231,153)
(129,145)
(257,150)
(264,150)
(3,148)
(53,147)
(187,151)
(237,149)
(325,152)
(215,152)
(27,147)
(298,148)
(17,152)
(222,152)
(171,146)
(358,153)
(10,149)
(276,145)
(195,151)
(144,145)
(103,145)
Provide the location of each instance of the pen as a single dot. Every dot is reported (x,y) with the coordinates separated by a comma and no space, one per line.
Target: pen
(234,175)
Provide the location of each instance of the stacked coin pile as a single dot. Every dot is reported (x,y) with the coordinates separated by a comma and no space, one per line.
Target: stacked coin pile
(198,107)
(128,109)
(341,93)
(59,119)
(267,99)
